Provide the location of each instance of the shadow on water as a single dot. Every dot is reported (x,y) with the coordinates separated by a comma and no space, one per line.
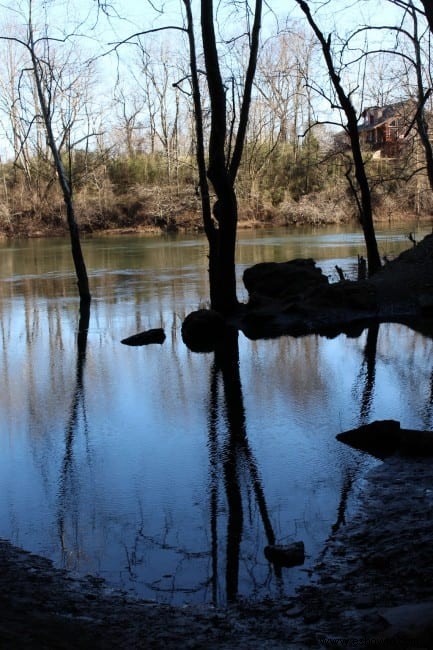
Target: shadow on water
(237,460)
(67,479)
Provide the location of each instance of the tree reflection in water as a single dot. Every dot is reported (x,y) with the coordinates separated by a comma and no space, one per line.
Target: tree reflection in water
(366,382)
(368,369)
(235,456)
(78,402)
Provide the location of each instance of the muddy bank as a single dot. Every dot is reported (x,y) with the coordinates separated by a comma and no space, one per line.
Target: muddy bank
(372,585)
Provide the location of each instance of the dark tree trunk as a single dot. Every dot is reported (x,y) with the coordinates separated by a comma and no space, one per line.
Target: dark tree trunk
(428,8)
(220,223)
(225,212)
(420,117)
(77,255)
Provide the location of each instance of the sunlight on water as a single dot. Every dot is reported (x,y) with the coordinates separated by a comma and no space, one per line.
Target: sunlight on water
(126,463)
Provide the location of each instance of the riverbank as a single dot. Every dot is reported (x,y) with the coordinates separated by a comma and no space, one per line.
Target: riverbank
(161,210)
(372,586)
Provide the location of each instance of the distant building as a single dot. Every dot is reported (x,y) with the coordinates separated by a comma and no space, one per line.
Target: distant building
(384,128)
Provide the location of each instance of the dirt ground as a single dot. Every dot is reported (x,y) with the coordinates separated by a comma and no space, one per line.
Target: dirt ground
(373,587)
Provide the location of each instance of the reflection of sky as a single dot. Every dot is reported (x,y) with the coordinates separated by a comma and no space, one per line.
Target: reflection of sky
(132,500)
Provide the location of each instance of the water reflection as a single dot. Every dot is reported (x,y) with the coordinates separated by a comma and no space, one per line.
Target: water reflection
(369,372)
(366,382)
(127,463)
(236,458)
(68,498)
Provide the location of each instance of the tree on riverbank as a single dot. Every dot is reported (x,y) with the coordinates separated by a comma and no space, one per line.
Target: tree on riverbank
(48,84)
(225,148)
(361,190)
(140,170)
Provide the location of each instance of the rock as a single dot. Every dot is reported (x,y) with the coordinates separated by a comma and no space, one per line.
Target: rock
(350,295)
(202,329)
(382,438)
(286,555)
(284,280)
(145,338)
(414,442)
(425,301)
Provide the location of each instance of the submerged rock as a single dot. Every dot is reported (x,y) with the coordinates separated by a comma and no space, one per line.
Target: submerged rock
(202,329)
(156,335)
(285,555)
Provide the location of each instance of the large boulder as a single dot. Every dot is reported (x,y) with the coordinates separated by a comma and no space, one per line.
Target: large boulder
(284,280)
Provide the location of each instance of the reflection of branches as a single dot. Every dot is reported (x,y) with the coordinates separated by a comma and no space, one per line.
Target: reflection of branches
(213,449)
(187,555)
(368,372)
(77,402)
(133,560)
(173,589)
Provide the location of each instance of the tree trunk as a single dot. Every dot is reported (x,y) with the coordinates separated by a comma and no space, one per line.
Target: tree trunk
(420,117)
(77,255)
(428,8)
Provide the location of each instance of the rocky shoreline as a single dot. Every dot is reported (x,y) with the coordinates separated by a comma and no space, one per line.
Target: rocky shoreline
(295,298)
(372,587)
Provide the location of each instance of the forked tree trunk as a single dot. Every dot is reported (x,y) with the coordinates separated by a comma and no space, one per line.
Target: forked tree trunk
(220,222)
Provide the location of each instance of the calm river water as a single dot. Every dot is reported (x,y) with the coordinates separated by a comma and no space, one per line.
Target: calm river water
(115,463)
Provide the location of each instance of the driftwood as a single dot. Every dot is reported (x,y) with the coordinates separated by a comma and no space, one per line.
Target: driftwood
(145,338)
(384,438)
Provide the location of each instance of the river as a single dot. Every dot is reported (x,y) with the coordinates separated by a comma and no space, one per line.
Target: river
(113,460)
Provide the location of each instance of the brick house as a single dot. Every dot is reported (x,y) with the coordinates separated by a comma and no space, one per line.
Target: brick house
(383,130)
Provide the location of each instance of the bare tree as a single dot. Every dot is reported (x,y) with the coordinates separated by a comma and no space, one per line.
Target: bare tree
(363,200)
(418,63)
(224,150)
(159,72)
(427,9)
(47,82)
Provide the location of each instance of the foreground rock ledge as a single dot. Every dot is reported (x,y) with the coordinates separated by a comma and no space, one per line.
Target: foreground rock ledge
(373,582)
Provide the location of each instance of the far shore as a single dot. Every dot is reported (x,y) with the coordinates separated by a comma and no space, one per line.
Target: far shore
(36,229)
